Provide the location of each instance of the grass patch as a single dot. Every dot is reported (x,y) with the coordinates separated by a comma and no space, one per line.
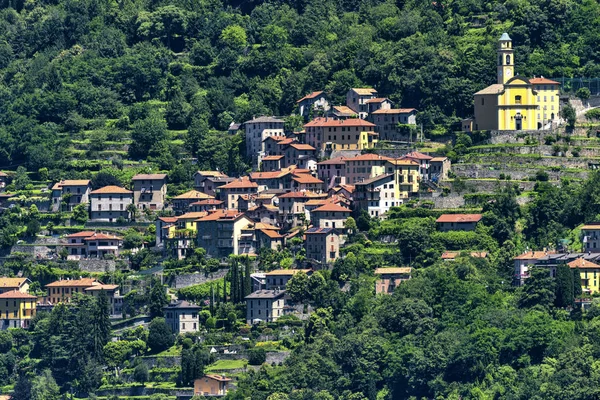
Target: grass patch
(224,365)
(170,352)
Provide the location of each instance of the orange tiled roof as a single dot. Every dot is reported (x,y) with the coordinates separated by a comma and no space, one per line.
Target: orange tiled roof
(15,294)
(330,207)
(582,263)
(71,182)
(100,236)
(11,282)
(218,214)
(377,100)
(394,111)
(459,218)
(111,190)
(364,91)
(193,215)
(543,81)
(284,272)
(84,282)
(193,194)
(301,146)
(301,194)
(240,184)
(101,287)
(271,233)
(393,270)
(310,96)
(306,179)
(149,177)
(168,220)
(417,156)
(277,138)
(207,202)
(82,234)
(337,160)
(531,255)
(272,158)
(369,157)
(323,122)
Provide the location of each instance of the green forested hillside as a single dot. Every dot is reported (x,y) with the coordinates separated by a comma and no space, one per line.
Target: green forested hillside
(100,72)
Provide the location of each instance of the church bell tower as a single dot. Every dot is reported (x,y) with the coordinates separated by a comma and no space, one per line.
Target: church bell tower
(506,59)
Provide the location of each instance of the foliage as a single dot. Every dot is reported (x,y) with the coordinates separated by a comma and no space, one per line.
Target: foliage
(160,336)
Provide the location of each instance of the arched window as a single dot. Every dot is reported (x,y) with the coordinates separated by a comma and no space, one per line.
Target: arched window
(507,60)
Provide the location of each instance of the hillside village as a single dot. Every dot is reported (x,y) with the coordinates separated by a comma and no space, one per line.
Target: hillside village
(230,267)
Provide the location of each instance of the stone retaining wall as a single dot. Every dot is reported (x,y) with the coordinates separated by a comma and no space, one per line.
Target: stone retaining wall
(97,265)
(185,280)
(162,362)
(516,173)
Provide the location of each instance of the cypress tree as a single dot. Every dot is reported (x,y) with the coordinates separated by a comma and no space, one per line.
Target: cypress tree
(219,294)
(224,290)
(564,286)
(212,299)
(247,278)
(577,292)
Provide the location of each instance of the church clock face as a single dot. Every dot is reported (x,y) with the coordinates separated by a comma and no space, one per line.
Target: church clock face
(507,73)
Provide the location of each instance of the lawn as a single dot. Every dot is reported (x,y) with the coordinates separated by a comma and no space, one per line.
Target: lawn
(224,365)
(170,352)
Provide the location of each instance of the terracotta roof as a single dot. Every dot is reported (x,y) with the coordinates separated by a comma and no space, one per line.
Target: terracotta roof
(265,119)
(270,233)
(82,234)
(149,177)
(301,146)
(582,263)
(287,141)
(377,100)
(111,190)
(211,173)
(262,225)
(193,194)
(348,188)
(99,236)
(591,226)
(393,270)
(543,81)
(459,218)
(438,159)
(71,182)
(283,272)
(337,160)
(193,215)
(330,207)
(364,91)
(306,179)
(531,255)
(218,378)
(272,158)
(218,214)
(11,282)
(301,194)
(344,110)
(207,202)
(368,157)
(317,202)
(322,122)
(492,89)
(394,111)
(15,294)
(400,161)
(101,287)
(417,156)
(277,138)
(310,96)
(84,282)
(271,174)
(168,220)
(240,183)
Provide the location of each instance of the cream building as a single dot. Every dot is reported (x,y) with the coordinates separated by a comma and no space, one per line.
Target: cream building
(109,203)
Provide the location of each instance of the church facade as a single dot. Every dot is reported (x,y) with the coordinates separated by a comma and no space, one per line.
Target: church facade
(515,102)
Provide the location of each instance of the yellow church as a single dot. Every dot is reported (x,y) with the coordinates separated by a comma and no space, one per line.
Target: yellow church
(515,102)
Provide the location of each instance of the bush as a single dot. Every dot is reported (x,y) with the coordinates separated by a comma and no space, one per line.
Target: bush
(140,373)
(160,336)
(257,356)
(593,114)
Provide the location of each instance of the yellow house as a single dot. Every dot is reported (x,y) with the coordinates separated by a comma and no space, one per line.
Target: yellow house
(406,175)
(515,102)
(10,284)
(590,274)
(16,309)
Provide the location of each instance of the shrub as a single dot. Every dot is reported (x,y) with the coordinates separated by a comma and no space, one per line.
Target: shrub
(257,356)
(160,336)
